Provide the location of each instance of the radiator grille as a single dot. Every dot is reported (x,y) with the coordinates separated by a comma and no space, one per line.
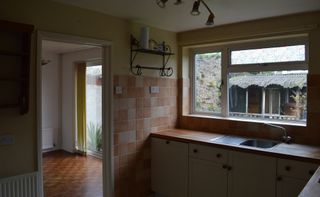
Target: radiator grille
(19,186)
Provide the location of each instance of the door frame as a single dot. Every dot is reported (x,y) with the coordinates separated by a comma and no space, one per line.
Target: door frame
(107,109)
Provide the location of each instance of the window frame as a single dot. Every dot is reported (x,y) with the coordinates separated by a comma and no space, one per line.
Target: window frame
(194,52)
(227,67)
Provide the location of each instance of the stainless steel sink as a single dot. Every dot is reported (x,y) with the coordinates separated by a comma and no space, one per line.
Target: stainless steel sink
(259,143)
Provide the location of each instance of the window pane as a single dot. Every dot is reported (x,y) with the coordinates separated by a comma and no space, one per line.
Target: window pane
(94,107)
(278,95)
(207,82)
(268,55)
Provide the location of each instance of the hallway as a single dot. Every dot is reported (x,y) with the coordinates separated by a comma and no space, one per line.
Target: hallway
(71,175)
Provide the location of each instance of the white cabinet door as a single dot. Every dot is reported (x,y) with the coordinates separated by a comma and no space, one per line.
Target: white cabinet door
(169,167)
(207,179)
(251,175)
(290,187)
(293,176)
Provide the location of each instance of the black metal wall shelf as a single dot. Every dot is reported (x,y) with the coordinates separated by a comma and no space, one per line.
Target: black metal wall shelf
(137,69)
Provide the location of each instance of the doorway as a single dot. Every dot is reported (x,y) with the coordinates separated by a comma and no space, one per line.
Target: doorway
(93,108)
(56,142)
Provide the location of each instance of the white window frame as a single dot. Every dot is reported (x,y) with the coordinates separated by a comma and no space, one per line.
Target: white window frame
(201,51)
(227,68)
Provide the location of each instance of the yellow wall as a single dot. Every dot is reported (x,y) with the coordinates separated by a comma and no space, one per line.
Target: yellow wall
(54,17)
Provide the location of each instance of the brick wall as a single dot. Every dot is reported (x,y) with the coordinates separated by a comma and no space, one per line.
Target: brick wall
(137,113)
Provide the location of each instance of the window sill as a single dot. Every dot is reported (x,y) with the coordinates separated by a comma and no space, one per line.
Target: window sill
(287,123)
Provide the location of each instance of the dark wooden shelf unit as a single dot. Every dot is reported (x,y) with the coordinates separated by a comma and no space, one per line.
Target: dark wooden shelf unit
(15,54)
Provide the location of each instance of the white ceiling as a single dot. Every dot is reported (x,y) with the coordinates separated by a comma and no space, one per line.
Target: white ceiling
(62,47)
(178,18)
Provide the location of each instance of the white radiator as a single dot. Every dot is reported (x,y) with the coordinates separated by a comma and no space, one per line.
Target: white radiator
(19,186)
(47,138)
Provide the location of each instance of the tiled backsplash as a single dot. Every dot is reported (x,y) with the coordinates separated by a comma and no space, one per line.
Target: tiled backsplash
(137,113)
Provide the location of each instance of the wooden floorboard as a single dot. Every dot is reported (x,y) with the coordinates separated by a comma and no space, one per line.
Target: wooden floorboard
(71,175)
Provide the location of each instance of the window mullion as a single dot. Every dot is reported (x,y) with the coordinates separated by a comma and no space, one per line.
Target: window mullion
(224,76)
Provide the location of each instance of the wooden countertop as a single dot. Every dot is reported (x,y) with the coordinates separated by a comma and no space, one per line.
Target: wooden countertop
(312,189)
(282,150)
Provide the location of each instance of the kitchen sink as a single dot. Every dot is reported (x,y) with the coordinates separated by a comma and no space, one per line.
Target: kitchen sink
(259,143)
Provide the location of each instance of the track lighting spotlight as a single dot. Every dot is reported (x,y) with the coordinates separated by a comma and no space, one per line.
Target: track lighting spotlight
(162,3)
(210,20)
(178,2)
(195,9)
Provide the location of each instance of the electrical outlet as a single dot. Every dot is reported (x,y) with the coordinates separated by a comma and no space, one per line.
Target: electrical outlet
(154,89)
(118,89)
(6,140)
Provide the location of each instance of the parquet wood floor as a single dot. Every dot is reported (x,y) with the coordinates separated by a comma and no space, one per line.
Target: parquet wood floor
(71,175)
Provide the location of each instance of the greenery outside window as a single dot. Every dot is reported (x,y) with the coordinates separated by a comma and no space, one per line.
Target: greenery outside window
(253,81)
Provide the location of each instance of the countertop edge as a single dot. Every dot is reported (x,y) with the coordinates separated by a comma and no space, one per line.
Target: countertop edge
(268,152)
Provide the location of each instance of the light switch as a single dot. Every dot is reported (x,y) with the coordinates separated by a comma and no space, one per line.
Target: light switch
(6,140)
(154,89)
(118,90)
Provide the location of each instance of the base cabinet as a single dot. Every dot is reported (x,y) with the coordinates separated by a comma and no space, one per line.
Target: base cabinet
(193,170)
(292,176)
(169,168)
(207,179)
(251,175)
(289,187)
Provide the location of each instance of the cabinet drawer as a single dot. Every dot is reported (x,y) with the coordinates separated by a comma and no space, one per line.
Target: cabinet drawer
(208,153)
(296,169)
(170,145)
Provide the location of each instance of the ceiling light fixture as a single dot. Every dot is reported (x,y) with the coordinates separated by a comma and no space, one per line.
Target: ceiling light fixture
(195,9)
(162,3)
(178,2)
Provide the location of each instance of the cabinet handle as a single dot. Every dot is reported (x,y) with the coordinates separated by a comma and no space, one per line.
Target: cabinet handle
(279,178)
(288,168)
(167,142)
(311,172)
(224,166)
(218,155)
(195,150)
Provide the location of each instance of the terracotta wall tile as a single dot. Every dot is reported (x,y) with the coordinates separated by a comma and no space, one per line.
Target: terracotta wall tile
(131,102)
(139,103)
(131,92)
(131,81)
(137,113)
(127,137)
(115,150)
(147,112)
(120,115)
(147,102)
(139,92)
(116,138)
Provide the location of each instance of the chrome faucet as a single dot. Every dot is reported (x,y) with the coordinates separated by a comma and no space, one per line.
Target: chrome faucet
(285,137)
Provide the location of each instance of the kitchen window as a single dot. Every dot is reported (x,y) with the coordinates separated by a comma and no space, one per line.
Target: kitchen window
(264,81)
